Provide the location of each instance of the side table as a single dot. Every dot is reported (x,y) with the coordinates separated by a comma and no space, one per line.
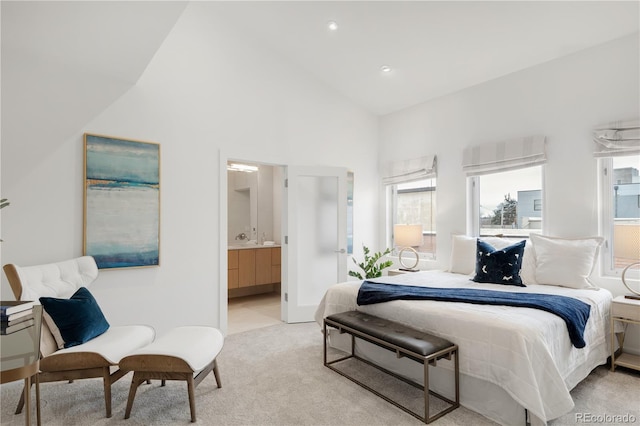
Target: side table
(392,272)
(626,311)
(20,360)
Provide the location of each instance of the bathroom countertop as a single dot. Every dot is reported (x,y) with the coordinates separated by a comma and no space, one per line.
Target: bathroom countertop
(250,246)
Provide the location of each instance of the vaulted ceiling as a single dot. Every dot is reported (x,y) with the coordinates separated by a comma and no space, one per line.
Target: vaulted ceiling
(433,47)
(64,62)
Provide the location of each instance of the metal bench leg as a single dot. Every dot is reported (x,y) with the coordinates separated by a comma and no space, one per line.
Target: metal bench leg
(457,372)
(426,391)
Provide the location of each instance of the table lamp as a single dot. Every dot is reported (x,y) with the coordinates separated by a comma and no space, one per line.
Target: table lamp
(408,237)
(626,246)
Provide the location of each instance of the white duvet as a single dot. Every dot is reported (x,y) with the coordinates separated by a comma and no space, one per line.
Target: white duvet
(527,352)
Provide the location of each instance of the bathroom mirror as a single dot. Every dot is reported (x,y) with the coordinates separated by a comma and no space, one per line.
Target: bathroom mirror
(254,199)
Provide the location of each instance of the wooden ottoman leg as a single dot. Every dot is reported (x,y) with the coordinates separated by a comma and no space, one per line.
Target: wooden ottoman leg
(216,373)
(176,356)
(192,397)
(135,382)
(106,381)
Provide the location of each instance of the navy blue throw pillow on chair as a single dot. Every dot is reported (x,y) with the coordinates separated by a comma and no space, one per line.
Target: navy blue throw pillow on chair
(78,318)
(499,266)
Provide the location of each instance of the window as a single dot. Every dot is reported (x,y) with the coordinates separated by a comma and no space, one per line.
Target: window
(620,190)
(414,203)
(505,192)
(507,203)
(411,200)
(537,205)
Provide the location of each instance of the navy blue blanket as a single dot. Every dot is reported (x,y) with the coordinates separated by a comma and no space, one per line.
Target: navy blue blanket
(574,312)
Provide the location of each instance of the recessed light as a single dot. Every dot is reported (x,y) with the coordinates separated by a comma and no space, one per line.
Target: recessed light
(385,69)
(332,25)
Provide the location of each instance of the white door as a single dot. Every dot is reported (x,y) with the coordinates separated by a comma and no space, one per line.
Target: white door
(315,230)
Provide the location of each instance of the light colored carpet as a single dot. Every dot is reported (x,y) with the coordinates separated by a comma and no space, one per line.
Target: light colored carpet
(275,376)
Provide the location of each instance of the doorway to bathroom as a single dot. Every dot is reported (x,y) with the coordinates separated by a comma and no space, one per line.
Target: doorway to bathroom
(254,228)
(305,252)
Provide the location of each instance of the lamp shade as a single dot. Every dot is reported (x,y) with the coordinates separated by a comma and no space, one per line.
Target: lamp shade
(626,242)
(407,235)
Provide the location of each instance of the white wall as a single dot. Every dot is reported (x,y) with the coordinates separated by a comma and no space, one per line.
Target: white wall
(206,90)
(563,99)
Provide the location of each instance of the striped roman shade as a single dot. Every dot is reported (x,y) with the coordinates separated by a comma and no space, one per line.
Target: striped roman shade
(617,138)
(502,156)
(410,170)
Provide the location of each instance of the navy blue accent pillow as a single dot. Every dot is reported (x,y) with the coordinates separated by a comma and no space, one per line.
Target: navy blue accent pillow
(78,318)
(499,266)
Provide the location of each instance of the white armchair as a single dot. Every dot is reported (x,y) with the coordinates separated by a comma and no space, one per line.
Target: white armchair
(91,359)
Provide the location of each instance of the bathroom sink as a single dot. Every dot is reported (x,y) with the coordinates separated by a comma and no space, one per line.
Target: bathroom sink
(250,244)
(243,244)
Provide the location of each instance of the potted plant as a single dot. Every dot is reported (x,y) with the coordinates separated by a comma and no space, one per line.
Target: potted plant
(370,266)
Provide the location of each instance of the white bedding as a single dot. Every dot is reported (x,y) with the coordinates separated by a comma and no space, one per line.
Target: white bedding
(526,352)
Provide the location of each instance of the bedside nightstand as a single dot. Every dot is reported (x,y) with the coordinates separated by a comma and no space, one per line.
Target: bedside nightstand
(628,312)
(392,272)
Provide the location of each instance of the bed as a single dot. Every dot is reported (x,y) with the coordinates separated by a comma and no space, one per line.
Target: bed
(512,359)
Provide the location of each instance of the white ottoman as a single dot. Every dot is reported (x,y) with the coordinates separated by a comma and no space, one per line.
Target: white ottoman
(177,355)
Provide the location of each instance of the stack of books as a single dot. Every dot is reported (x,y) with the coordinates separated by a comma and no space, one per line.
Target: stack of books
(15,316)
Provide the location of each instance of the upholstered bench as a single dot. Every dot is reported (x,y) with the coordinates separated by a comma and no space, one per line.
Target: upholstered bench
(404,341)
(177,355)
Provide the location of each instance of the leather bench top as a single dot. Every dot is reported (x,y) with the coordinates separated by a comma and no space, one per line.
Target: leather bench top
(392,332)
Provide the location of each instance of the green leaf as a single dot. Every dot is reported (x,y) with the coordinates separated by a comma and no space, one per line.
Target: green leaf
(370,265)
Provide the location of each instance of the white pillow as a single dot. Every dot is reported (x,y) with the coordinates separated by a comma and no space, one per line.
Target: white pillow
(463,255)
(565,262)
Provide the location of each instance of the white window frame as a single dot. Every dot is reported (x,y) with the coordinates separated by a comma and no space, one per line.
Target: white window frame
(473,206)
(606,216)
(390,207)
(605,177)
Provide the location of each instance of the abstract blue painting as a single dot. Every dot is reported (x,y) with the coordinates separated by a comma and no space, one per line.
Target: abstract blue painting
(122,202)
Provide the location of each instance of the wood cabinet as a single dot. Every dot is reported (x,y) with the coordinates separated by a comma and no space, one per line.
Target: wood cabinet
(275,265)
(246,268)
(263,266)
(232,269)
(252,267)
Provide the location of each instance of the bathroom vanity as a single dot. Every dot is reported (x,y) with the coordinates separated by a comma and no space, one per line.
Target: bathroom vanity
(253,269)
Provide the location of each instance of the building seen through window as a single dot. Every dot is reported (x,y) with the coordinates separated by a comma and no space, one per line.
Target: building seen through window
(510,202)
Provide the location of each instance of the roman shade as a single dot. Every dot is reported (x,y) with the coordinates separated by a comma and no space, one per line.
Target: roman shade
(410,170)
(502,156)
(617,138)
